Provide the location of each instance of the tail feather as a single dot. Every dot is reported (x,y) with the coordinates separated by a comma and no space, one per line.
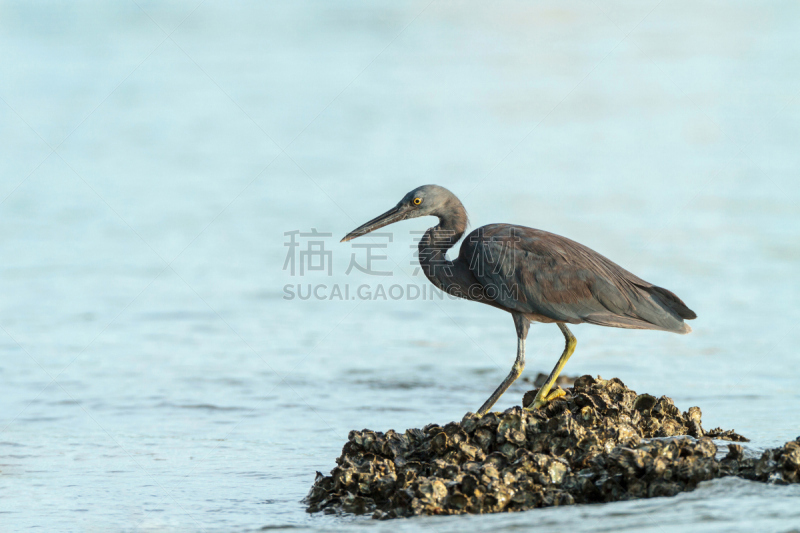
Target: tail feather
(670,300)
(627,322)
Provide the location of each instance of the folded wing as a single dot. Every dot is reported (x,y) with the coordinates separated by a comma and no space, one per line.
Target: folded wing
(536,272)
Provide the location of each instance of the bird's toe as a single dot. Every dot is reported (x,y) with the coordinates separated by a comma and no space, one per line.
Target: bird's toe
(543,399)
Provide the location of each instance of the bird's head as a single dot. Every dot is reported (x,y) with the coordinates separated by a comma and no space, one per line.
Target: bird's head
(425,200)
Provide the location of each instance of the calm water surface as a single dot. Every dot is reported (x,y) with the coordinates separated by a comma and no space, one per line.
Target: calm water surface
(153,376)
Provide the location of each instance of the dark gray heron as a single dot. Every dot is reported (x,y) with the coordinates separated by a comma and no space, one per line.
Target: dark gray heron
(534,275)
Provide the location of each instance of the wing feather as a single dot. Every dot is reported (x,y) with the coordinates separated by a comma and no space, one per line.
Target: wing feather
(536,272)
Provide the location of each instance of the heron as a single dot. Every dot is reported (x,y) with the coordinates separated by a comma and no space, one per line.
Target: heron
(534,275)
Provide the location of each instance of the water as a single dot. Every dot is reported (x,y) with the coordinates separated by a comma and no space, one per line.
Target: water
(155,378)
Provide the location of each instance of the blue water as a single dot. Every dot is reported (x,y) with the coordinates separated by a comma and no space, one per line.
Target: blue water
(155,378)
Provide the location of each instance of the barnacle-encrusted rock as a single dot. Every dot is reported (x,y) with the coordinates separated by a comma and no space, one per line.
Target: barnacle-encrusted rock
(601,442)
(778,465)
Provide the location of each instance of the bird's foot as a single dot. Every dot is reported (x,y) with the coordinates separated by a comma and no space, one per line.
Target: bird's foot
(542,400)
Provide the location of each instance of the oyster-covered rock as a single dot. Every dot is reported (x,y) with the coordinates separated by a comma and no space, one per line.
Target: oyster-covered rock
(601,442)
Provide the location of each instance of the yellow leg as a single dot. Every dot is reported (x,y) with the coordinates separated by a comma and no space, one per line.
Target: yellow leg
(544,395)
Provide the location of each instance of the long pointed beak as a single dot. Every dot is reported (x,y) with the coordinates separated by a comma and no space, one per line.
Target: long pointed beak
(394,214)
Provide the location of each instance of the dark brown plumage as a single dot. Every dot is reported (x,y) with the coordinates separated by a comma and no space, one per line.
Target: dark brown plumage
(534,275)
(564,281)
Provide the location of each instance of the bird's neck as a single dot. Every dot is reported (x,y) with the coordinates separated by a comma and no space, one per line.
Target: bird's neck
(437,240)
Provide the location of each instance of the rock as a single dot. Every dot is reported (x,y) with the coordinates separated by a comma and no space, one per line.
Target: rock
(600,443)
(720,434)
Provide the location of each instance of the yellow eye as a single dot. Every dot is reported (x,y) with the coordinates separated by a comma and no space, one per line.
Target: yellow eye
(417,201)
